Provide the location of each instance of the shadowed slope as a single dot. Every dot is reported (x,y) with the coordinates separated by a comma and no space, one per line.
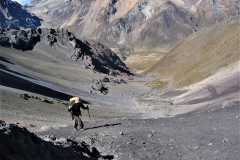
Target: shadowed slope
(13,15)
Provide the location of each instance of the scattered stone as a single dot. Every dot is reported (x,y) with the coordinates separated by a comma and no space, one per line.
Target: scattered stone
(32,125)
(46,100)
(105,79)
(150,135)
(225,140)
(25,96)
(34,97)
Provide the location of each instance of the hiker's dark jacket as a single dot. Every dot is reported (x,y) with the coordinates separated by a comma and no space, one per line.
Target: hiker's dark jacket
(76,108)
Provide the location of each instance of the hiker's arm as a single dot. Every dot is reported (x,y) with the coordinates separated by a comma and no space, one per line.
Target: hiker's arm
(83,107)
(69,108)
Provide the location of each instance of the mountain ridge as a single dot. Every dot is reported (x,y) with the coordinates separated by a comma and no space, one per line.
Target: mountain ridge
(96,56)
(137,27)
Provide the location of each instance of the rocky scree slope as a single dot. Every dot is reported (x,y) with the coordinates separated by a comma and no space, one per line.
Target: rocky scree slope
(13,15)
(19,143)
(132,26)
(95,56)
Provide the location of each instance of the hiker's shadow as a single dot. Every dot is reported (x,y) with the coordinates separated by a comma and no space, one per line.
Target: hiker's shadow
(106,125)
(96,153)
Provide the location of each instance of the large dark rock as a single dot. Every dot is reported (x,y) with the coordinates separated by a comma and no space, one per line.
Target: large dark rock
(19,39)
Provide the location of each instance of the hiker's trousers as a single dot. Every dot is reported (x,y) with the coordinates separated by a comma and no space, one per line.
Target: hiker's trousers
(78,121)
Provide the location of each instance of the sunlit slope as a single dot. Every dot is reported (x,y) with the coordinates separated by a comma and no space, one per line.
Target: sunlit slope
(200,55)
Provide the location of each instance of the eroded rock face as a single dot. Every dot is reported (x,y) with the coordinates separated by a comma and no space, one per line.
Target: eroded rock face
(13,15)
(147,28)
(19,143)
(96,56)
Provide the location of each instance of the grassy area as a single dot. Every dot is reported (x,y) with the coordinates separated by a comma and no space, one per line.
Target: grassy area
(158,83)
(139,62)
(197,57)
(201,54)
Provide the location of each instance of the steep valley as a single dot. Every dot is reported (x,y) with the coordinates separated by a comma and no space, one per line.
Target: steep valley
(161,79)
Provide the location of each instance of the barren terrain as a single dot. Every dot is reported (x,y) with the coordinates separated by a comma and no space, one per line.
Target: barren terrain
(132,121)
(180,118)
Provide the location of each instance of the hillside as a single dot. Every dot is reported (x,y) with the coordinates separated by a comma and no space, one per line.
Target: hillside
(200,55)
(13,15)
(94,56)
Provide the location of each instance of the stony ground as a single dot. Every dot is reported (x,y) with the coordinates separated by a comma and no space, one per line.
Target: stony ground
(208,135)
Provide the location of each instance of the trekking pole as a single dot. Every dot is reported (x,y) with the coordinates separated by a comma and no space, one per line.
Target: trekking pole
(89,114)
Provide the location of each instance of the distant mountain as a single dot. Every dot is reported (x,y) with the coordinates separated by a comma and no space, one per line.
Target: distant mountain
(13,15)
(133,26)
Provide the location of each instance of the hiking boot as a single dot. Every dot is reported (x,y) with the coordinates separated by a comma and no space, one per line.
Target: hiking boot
(75,129)
(82,129)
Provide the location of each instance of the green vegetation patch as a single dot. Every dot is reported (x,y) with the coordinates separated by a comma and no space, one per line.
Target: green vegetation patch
(158,83)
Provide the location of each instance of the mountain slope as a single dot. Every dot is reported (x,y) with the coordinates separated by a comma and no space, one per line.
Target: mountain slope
(200,55)
(96,57)
(131,26)
(13,15)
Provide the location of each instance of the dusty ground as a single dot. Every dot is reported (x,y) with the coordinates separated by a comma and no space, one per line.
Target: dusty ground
(48,74)
(132,121)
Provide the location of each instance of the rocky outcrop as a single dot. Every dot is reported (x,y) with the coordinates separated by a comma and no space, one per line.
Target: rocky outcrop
(19,143)
(105,12)
(96,57)
(13,15)
(19,39)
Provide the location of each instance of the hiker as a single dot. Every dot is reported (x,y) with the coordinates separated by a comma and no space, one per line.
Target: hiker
(74,107)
